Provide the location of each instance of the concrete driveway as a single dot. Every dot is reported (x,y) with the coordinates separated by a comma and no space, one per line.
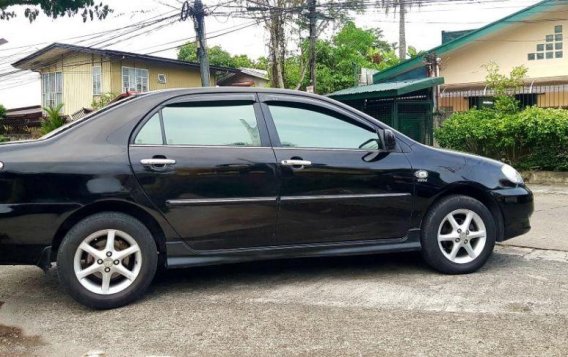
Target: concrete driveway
(374,305)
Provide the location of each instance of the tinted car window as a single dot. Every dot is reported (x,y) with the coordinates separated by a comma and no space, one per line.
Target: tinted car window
(151,133)
(233,125)
(311,128)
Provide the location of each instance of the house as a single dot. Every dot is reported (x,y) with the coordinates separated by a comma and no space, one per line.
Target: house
(18,122)
(245,77)
(533,37)
(451,77)
(76,75)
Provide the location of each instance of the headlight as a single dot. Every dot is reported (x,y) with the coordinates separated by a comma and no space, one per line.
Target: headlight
(511,174)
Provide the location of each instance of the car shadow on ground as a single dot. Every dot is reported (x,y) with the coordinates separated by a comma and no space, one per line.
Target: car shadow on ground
(287,270)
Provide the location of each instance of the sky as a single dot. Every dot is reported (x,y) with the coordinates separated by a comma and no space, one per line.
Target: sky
(424,27)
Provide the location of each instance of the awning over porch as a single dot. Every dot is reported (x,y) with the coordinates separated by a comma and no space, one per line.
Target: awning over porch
(387,89)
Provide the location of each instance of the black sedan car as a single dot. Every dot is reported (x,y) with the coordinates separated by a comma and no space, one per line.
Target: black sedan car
(185,178)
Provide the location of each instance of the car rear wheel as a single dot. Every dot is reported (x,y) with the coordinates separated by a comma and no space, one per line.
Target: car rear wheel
(458,235)
(107,260)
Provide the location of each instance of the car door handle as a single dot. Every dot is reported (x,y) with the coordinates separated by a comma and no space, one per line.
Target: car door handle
(296,163)
(156,162)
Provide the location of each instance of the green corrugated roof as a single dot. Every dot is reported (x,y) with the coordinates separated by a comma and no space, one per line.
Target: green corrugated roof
(387,89)
(416,62)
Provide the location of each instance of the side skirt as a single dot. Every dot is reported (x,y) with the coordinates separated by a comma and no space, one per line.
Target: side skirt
(181,256)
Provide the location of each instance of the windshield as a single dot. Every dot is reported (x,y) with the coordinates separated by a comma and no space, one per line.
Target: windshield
(87,117)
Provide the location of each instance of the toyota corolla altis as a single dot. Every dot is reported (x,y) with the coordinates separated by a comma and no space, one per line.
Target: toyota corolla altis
(185,178)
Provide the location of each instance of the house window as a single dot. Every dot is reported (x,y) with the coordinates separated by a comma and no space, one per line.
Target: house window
(97,80)
(525,100)
(552,48)
(134,79)
(481,102)
(51,89)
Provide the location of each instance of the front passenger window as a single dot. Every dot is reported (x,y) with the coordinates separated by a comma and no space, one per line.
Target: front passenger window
(311,128)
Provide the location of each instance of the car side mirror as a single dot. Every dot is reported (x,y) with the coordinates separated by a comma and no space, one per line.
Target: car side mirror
(389,140)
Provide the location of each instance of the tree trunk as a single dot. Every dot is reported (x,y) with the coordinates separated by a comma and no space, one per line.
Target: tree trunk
(276,50)
(402,31)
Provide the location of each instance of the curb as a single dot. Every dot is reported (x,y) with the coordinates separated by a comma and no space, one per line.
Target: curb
(549,178)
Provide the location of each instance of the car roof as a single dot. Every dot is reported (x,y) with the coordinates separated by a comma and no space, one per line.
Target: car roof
(228,89)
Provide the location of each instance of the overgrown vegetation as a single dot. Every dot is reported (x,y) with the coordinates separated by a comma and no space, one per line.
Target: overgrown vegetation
(102,101)
(530,139)
(2,111)
(88,9)
(53,119)
(338,62)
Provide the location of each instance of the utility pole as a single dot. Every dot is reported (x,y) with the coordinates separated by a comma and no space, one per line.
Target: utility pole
(313,36)
(197,13)
(402,30)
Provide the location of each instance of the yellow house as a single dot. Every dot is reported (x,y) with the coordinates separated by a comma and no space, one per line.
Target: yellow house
(533,37)
(76,75)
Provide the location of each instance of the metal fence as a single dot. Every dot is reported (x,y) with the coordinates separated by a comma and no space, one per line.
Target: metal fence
(412,115)
(545,96)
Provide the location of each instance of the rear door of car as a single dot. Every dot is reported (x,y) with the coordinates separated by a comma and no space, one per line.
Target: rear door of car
(337,183)
(207,164)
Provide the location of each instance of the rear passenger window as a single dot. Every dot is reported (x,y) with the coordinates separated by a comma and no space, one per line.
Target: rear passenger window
(222,125)
(151,133)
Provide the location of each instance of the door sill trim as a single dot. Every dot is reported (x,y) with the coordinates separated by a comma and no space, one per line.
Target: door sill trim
(180,255)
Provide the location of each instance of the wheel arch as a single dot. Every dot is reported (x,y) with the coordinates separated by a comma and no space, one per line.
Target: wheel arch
(478,193)
(124,207)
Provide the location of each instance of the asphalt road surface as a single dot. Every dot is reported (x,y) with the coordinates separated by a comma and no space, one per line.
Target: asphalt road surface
(375,305)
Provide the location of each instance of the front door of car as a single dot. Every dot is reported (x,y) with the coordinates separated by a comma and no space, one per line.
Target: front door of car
(206,163)
(337,183)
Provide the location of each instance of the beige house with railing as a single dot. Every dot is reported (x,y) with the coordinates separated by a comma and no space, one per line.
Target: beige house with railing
(534,37)
(76,75)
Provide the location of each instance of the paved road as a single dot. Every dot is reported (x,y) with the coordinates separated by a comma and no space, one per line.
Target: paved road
(393,304)
(550,220)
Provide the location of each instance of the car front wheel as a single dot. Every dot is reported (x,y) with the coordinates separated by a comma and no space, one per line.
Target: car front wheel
(458,235)
(107,260)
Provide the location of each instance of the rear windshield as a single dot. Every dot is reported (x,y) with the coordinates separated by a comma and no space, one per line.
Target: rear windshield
(89,116)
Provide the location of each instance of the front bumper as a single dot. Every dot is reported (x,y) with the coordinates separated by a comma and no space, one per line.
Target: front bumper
(517,206)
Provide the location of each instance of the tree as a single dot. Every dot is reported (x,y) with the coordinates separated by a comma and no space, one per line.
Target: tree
(282,18)
(88,9)
(340,59)
(504,86)
(218,57)
(2,111)
(402,6)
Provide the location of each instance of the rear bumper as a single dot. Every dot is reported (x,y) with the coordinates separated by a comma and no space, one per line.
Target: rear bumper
(517,206)
(22,254)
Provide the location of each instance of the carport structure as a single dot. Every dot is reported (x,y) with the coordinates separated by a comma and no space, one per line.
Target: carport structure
(405,105)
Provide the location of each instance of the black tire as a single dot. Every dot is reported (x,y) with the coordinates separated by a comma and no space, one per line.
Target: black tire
(95,223)
(431,251)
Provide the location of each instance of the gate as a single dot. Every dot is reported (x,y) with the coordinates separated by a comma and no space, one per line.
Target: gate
(412,117)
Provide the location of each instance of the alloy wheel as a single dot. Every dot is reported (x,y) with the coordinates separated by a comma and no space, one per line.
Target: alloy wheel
(462,236)
(107,261)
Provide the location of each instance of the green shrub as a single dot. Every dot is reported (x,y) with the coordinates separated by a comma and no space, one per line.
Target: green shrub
(102,101)
(53,120)
(535,138)
(2,111)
